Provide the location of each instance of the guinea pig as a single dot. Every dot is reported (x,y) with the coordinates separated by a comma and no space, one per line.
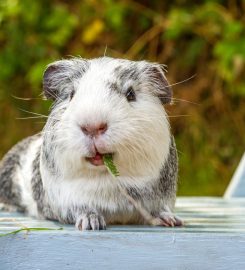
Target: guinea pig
(100,106)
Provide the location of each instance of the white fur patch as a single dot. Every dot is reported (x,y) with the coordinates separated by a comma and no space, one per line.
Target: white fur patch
(25,174)
(99,193)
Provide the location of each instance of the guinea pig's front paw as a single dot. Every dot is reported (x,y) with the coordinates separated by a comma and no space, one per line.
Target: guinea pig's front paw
(168,219)
(90,221)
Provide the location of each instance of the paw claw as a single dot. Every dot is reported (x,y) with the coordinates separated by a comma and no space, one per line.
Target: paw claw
(90,221)
(178,221)
(169,220)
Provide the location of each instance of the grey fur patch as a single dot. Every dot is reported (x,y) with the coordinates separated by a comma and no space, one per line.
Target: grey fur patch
(59,78)
(124,74)
(8,208)
(36,182)
(167,185)
(38,191)
(48,149)
(49,138)
(145,72)
(9,189)
(114,87)
(164,91)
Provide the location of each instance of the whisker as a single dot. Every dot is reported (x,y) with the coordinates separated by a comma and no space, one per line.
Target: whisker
(105,50)
(30,117)
(186,80)
(39,114)
(184,100)
(180,115)
(23,98)
(52,94)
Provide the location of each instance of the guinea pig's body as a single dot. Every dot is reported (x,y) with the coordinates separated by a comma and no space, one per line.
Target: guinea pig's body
(100,106)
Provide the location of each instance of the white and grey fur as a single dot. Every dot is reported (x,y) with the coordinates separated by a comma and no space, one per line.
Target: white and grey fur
(47,175)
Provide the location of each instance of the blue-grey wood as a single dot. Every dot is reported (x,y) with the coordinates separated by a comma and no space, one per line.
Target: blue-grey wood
(236,187)
(123,250)
(213,238)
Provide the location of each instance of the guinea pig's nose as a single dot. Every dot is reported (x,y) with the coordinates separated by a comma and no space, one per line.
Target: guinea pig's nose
(94,130)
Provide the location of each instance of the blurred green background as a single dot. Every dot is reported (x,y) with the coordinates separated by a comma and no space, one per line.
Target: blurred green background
(201,38)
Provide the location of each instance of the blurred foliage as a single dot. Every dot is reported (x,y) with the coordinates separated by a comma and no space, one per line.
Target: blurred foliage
(202,38)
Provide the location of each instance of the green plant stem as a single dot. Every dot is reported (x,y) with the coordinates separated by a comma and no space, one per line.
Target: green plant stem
(28,230)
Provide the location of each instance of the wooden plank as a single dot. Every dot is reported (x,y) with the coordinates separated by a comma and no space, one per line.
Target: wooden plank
(213,238)
(120,250)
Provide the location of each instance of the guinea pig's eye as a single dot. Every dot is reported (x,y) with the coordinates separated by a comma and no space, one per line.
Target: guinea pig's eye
(130,94)
(72,95)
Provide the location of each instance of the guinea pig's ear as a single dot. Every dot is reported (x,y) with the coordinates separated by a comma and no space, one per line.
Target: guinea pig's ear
(160,83)
(59,77)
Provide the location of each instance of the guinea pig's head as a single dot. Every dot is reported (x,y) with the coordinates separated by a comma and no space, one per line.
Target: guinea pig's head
(107,105)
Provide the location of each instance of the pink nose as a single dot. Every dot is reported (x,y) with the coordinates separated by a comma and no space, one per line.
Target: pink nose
(94,130)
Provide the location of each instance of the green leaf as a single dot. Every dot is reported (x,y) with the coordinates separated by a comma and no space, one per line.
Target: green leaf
(108,161)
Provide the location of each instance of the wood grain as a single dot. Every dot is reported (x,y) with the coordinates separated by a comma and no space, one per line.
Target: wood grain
(213,238)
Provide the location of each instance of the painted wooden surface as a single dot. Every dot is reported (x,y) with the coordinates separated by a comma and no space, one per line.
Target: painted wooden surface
(212,238)
(236,187)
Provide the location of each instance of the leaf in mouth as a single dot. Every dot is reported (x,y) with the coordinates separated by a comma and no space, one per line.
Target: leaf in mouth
(108,161)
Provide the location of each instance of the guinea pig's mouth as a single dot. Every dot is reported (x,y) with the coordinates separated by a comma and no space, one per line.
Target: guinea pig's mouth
(96,160)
